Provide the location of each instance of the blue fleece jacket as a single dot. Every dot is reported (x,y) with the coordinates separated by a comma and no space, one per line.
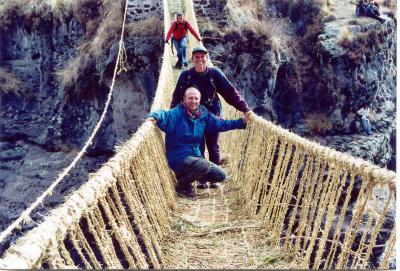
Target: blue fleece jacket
(185,134)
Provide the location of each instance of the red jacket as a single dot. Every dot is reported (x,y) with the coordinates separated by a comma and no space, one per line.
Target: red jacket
(180,32)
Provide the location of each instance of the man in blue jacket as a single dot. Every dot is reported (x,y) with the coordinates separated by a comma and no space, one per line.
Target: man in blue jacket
(211,82)
(185,126)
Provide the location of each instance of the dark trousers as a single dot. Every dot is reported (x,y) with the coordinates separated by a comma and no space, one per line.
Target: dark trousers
(211,140)
(197,168)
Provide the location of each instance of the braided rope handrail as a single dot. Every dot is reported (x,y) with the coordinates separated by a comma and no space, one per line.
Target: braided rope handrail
(295,186)
(25,215)
(358,164)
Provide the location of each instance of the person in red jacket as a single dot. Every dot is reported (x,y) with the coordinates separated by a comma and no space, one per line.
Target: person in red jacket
(178,30)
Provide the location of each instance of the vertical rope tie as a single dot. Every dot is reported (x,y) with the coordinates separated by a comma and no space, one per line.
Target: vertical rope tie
(116,227)
(67,257)
(332,198)
(379,219)
(307,210)
(278,225)
(86,246)
(138,211)
(297,204)
(317,194)
(331,255)
(54,258)
(356,219)
(136,214)
(262,186)
(78,248)
(269,193)
(278,191)
(128,232)
(322,203)
(103,251)
(104,239)
(306,204)
(389,249)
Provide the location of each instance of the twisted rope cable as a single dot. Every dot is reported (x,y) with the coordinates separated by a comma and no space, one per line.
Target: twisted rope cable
(24,218)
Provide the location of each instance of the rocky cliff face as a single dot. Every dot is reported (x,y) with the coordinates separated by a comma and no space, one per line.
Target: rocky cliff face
(44,124)
(358,62)
(312,70)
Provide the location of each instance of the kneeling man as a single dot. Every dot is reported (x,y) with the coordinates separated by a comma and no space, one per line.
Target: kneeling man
(185,126)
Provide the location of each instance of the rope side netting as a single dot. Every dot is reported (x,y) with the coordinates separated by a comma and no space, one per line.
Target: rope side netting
(116,220)
(119,217)
(304,194)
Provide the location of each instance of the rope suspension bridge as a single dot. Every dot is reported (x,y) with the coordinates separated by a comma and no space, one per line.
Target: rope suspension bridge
(289,203)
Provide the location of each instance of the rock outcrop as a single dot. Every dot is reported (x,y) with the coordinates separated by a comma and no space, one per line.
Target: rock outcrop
(314,64)
(45,122)
(358,62)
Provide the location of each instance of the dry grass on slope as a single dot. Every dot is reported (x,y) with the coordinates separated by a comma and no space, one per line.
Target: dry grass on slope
(252,15)
(35,12)
(10,84)
(317,123)
(101,19)
(98,44)
(247,16)
(150,27)
(242,11)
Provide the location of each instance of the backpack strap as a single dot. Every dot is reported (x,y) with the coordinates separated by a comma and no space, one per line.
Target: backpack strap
(188,76)
(176,26)
(212,80)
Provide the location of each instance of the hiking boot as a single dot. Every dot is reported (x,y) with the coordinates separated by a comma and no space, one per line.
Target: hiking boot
(214,185)
(185,64)
(186,192)
(178,65)
(202,185)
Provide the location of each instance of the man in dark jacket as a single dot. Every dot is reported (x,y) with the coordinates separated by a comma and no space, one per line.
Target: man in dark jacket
(178,30)
(210,81)
(370,9)
(185,126)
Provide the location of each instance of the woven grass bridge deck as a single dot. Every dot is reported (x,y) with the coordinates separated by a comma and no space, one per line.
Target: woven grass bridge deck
(289,203)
